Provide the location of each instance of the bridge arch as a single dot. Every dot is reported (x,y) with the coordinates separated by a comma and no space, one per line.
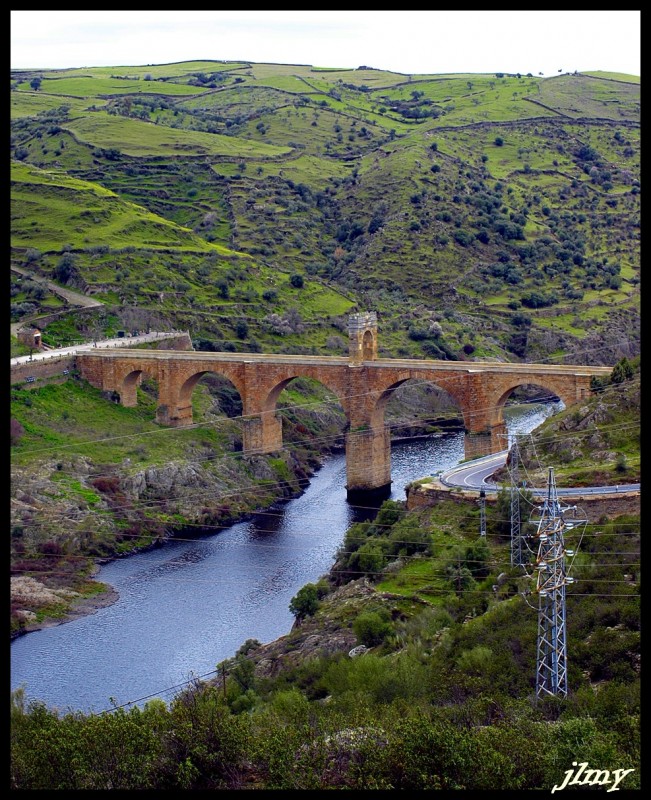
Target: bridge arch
(128,381)
(263,431)
(546,393)
(270,399)
(446,399)
(188,386)
(177,410)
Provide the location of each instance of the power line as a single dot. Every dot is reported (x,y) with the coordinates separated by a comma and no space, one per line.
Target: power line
(329,402)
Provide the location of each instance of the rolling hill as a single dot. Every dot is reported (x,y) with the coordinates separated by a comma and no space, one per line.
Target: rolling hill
(505,208)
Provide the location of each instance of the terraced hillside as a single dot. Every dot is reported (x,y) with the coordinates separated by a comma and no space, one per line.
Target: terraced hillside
(481,216)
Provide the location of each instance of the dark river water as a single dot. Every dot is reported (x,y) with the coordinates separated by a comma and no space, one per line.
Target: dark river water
(192,603)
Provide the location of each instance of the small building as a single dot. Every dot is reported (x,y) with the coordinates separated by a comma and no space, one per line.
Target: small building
(31,337)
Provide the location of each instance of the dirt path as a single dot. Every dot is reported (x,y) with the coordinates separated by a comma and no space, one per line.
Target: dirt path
(70,296)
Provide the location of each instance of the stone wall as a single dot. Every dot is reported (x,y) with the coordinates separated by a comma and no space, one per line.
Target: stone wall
(41,369)
(611,505)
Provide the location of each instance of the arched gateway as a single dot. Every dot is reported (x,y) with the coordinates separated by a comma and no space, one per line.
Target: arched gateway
(362,383)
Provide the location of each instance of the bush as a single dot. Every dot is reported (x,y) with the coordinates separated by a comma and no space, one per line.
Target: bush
(305,602)
(17,432)
(371,628)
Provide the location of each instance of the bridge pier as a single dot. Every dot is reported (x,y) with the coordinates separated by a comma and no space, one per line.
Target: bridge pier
(174,416)
(262,434)
(368,464)
(129,392)
(483,443)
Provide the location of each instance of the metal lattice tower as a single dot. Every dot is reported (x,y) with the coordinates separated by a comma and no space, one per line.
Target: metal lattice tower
(482,513)
(551,668)
(517,555)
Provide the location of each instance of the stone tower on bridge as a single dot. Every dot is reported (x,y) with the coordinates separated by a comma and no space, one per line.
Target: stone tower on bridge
(363,383)
(362,336)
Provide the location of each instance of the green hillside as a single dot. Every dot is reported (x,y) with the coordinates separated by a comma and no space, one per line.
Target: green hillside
(256,206)
(506,206)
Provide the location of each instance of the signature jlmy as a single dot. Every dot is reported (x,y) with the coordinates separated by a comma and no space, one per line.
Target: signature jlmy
(592,777)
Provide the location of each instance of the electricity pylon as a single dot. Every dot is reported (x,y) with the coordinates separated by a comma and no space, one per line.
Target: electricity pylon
(551,666)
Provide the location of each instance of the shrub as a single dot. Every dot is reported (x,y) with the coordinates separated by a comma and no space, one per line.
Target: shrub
(17,432)
(371,628)
(305,602)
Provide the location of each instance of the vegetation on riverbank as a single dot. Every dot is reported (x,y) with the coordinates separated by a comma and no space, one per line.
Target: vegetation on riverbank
(440,693)
(482,217)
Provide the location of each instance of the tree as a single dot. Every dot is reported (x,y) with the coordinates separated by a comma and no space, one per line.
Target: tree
(66,269)
(622,371)
(296,281)
(35,83)
(597,384)
(372,627)
(305,602)
(499,141)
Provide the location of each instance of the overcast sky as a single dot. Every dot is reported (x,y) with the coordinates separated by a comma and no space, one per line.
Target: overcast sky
(409,42)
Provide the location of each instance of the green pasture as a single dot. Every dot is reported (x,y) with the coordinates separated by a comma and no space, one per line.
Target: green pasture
(29,104)
(179,69)
(332,76)
(615,76)
(73,414)
(286,83)
(101,87)
(628,271)
(244,100)
(22,173)
(609,296)
(580,96)
(314,131)
(521,147)
(304,169)
(51,210)
(137,138)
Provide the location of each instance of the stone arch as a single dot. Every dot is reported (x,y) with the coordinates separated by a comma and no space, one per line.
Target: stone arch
(369,346)
(189,384)
(270,400)
(497,410)
(263,430)
(128,383)
(378,414)
(362,337)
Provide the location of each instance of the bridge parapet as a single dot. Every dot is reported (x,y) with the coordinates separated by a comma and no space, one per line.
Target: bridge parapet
(362,384)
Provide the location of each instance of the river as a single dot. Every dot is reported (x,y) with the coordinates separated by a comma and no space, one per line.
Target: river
(191,603)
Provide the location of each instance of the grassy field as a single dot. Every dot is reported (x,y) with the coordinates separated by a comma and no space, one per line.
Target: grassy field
(455,194)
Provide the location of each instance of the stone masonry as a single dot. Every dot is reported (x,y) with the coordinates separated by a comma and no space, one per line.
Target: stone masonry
(363,384)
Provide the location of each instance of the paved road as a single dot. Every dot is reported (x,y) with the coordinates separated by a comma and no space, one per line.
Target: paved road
(127,341)
(474,476)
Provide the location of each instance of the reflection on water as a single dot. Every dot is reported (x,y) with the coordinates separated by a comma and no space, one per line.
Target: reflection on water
(188,605)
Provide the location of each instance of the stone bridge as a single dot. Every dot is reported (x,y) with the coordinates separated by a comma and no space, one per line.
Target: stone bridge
(362,382)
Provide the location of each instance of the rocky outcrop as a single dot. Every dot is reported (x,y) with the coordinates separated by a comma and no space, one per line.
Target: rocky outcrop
(328,631)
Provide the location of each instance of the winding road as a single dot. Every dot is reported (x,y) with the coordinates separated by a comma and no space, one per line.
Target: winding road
(474,476)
